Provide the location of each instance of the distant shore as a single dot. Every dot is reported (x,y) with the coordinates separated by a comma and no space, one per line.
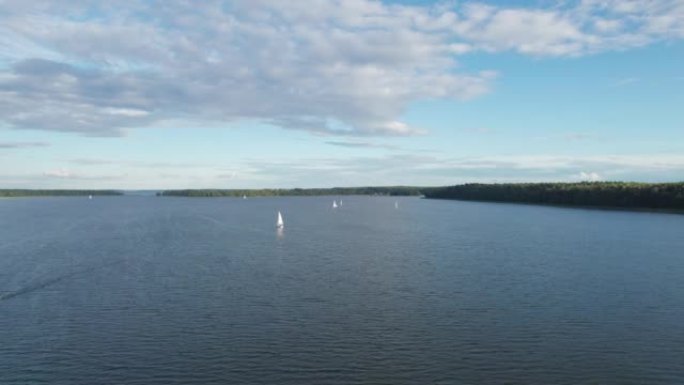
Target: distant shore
(16,193)
(391,190)
(605,195)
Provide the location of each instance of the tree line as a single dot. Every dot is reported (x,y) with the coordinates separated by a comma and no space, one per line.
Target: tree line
(39,193)
(393,190)
(602,194)
(598,194)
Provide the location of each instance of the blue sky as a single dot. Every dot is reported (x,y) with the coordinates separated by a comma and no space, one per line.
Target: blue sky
(319,93)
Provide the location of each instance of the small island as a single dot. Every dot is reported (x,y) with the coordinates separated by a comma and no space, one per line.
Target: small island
(661,196)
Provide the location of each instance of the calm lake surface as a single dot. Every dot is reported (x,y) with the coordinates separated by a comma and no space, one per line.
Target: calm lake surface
(147,290)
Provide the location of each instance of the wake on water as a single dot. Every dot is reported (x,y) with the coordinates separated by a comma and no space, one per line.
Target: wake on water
(35,286)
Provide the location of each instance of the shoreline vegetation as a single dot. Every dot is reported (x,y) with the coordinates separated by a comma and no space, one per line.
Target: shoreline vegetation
(619,195)
(16,193)
(391,190)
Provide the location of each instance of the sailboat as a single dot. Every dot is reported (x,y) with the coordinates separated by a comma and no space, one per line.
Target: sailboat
(334,205)
(340,203)
(396,204)
(279,223)
(90,197)
(244,197)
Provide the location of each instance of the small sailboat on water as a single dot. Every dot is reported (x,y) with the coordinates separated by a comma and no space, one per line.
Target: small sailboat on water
(279,223)
(90,197)
(396,204)
(334,205)
(244,197)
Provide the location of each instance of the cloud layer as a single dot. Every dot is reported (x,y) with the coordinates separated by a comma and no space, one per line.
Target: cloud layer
(389,169)
(397,169)
(343,67)
(13,145)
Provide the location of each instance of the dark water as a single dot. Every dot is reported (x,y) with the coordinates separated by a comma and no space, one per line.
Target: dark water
(145,290)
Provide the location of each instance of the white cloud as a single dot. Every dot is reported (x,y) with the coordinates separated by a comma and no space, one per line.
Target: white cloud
(398,168)
(579,136)
(12,145)
(314,66)
(131,112)
(607,26)
(529,31)
(590,176)
(342,67)
(625,82)
(59,173)
(392,168)
(359,144)
(572,28)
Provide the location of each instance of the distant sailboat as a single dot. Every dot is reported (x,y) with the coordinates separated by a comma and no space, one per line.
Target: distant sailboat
(396,204)
(340,202)
(334,205)
(90,197)
(279,223)
(244,197)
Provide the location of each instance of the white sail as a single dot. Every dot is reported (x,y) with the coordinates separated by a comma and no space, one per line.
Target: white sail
(280,224)
(244,197)
(334,204)
(90,197)
(340,203)
(396,204)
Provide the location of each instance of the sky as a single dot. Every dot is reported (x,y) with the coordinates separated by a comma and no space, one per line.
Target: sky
(146,94)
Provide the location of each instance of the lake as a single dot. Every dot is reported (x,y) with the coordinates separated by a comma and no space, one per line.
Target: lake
(148,290)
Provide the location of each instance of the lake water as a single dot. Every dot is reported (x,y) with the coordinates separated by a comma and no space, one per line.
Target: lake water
(147,290)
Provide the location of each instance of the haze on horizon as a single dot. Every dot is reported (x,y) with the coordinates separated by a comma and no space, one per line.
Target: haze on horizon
(322,93)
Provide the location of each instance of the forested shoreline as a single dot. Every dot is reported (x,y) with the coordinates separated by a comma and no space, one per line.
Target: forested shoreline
(11,193)
(393,191)
(668,196)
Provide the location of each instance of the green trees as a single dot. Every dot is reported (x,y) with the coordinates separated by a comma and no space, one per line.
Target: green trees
(602,194)
(392,190)
(36,193)
(598,194)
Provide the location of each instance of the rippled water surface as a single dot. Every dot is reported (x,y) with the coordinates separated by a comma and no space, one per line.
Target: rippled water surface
(146,290)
